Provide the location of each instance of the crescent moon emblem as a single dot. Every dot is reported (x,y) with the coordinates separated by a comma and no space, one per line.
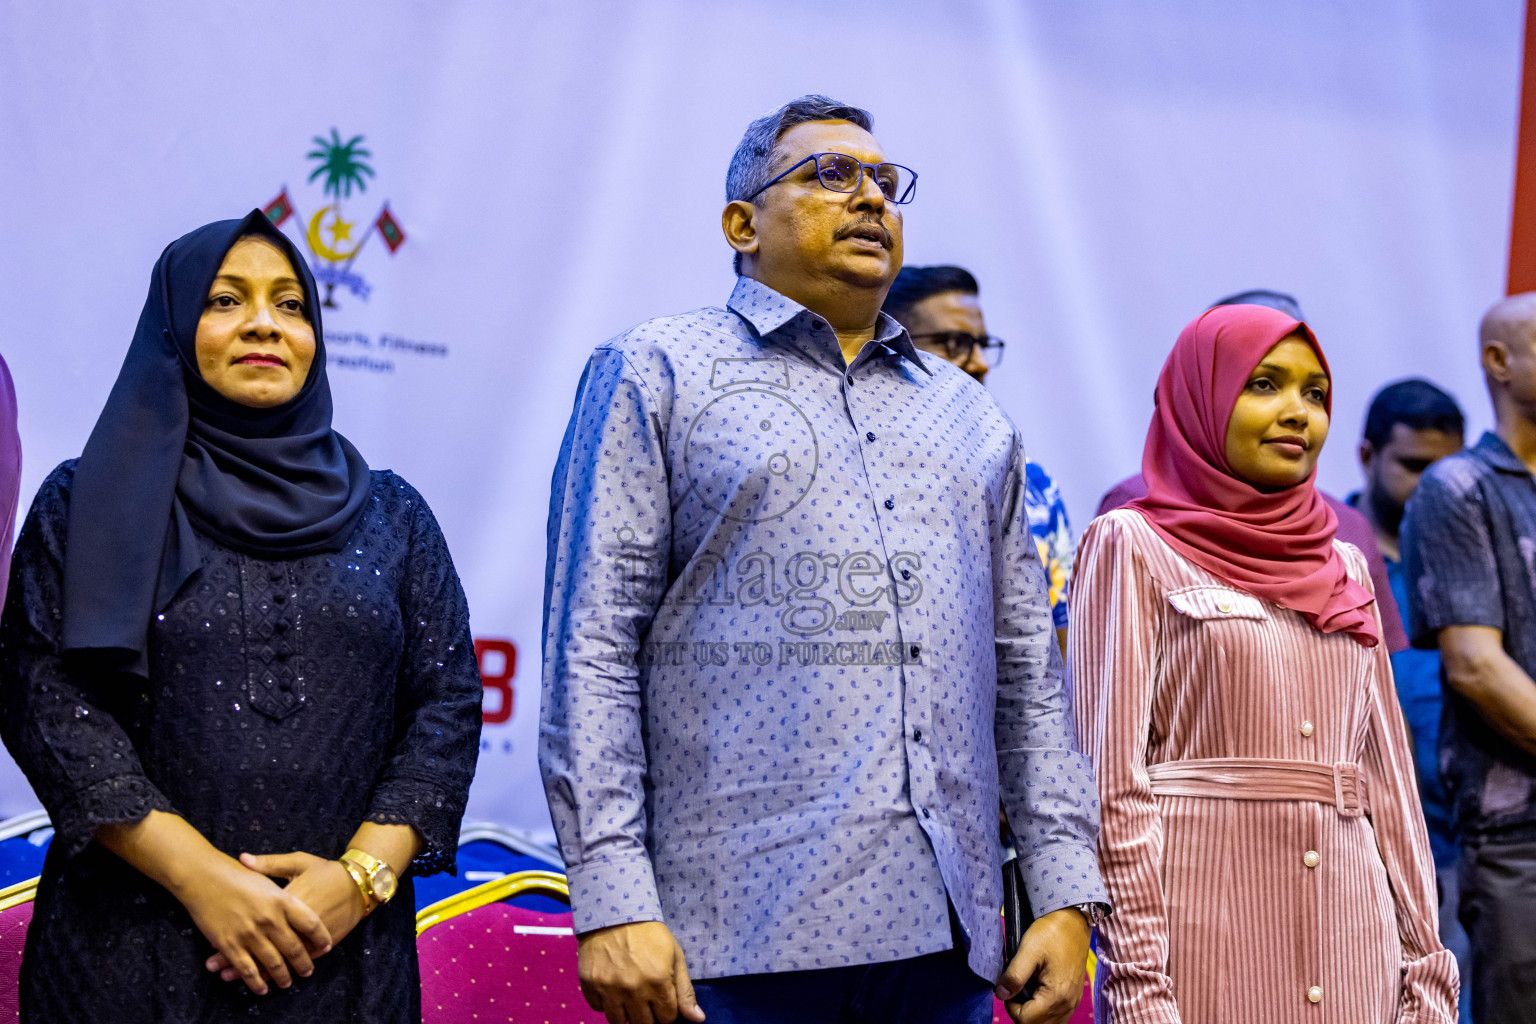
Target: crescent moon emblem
(317,246)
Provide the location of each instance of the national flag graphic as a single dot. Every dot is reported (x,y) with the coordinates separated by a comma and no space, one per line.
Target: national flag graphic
(390,230)
(333,238)
(279,209)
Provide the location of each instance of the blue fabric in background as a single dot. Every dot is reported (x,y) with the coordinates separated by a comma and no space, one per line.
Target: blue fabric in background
(1417,675)
(21,857)
(484,856)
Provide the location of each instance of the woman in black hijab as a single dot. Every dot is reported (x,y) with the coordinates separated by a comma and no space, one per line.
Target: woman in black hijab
(232,653)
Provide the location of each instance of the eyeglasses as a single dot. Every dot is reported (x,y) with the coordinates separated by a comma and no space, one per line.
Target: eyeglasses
(839,172)
(957,346)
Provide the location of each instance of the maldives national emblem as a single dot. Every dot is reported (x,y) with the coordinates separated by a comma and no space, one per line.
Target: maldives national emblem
(329,234)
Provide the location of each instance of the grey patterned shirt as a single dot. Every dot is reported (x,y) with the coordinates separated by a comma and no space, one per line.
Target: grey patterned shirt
(797,645)
(1469,555)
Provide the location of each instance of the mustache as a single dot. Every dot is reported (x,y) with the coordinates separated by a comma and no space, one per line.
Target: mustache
(862,224)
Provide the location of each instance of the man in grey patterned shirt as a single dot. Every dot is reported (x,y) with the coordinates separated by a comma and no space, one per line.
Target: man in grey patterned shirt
(798,642)
(1469,557)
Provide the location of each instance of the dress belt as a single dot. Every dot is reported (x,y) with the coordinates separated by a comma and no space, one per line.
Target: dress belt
(1258,778)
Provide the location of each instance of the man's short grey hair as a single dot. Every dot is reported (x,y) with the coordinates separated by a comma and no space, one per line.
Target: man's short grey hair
(752,163)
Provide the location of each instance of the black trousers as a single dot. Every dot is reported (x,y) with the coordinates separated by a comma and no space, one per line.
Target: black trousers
(935,989)
(1498,909)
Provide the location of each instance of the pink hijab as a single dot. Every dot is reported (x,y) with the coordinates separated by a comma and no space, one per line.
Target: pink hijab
(1276,545)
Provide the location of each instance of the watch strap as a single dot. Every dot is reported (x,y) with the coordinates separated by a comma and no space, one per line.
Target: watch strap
(364,885)
(1094,912)
(370,867)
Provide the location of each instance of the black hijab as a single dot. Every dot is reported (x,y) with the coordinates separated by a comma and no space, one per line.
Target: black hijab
(169,453)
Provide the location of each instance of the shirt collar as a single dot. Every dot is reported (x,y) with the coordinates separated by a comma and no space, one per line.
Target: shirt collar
(768,311)
(1492,450)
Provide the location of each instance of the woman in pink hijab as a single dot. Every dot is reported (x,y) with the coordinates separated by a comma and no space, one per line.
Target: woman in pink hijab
(1262,838)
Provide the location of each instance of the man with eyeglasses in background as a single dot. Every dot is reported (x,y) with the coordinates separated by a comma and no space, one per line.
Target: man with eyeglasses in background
(774,731)
(940,307)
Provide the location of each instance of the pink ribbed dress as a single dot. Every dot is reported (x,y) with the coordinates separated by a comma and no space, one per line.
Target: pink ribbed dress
(1237,750)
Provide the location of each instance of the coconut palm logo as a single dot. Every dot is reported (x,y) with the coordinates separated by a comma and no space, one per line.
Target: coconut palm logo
(344,164)
(330,234)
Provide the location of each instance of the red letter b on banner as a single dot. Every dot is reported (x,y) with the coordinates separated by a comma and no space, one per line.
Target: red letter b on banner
(498,664)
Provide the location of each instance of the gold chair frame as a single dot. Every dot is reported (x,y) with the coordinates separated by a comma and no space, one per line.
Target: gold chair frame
(16,895)
(550,883)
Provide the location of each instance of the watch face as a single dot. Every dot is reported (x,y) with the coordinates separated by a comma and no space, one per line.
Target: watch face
(384,882)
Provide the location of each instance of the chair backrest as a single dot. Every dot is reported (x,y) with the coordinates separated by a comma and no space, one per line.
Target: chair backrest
(484,855)
(516,840)
(484,959)
(24,824)
(15,917)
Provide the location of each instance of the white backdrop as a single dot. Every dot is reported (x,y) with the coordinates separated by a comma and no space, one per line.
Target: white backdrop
(1105,168)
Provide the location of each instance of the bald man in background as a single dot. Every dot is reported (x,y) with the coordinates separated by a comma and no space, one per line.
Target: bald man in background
(1469,555)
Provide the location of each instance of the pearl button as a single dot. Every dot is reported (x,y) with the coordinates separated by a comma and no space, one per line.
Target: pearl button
(1315,994)
(1306,728)
(1310,858)
(1224,606)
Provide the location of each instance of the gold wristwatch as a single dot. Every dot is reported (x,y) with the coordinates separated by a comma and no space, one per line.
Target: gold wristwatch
(375,879)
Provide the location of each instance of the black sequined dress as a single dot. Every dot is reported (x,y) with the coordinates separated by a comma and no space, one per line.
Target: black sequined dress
(288,702)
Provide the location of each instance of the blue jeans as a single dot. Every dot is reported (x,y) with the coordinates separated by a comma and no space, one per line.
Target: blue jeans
(938,988)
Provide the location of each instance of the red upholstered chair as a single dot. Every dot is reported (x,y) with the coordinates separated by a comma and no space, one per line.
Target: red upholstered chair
(1082,1015)
(15,916)
(483,959)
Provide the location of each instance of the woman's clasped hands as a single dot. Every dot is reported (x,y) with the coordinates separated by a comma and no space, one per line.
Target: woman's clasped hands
(262,933)
(321,889)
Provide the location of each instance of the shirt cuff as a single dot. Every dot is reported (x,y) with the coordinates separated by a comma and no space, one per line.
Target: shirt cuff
(1062,875)
(614,890)
(119,800)
(431,811)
